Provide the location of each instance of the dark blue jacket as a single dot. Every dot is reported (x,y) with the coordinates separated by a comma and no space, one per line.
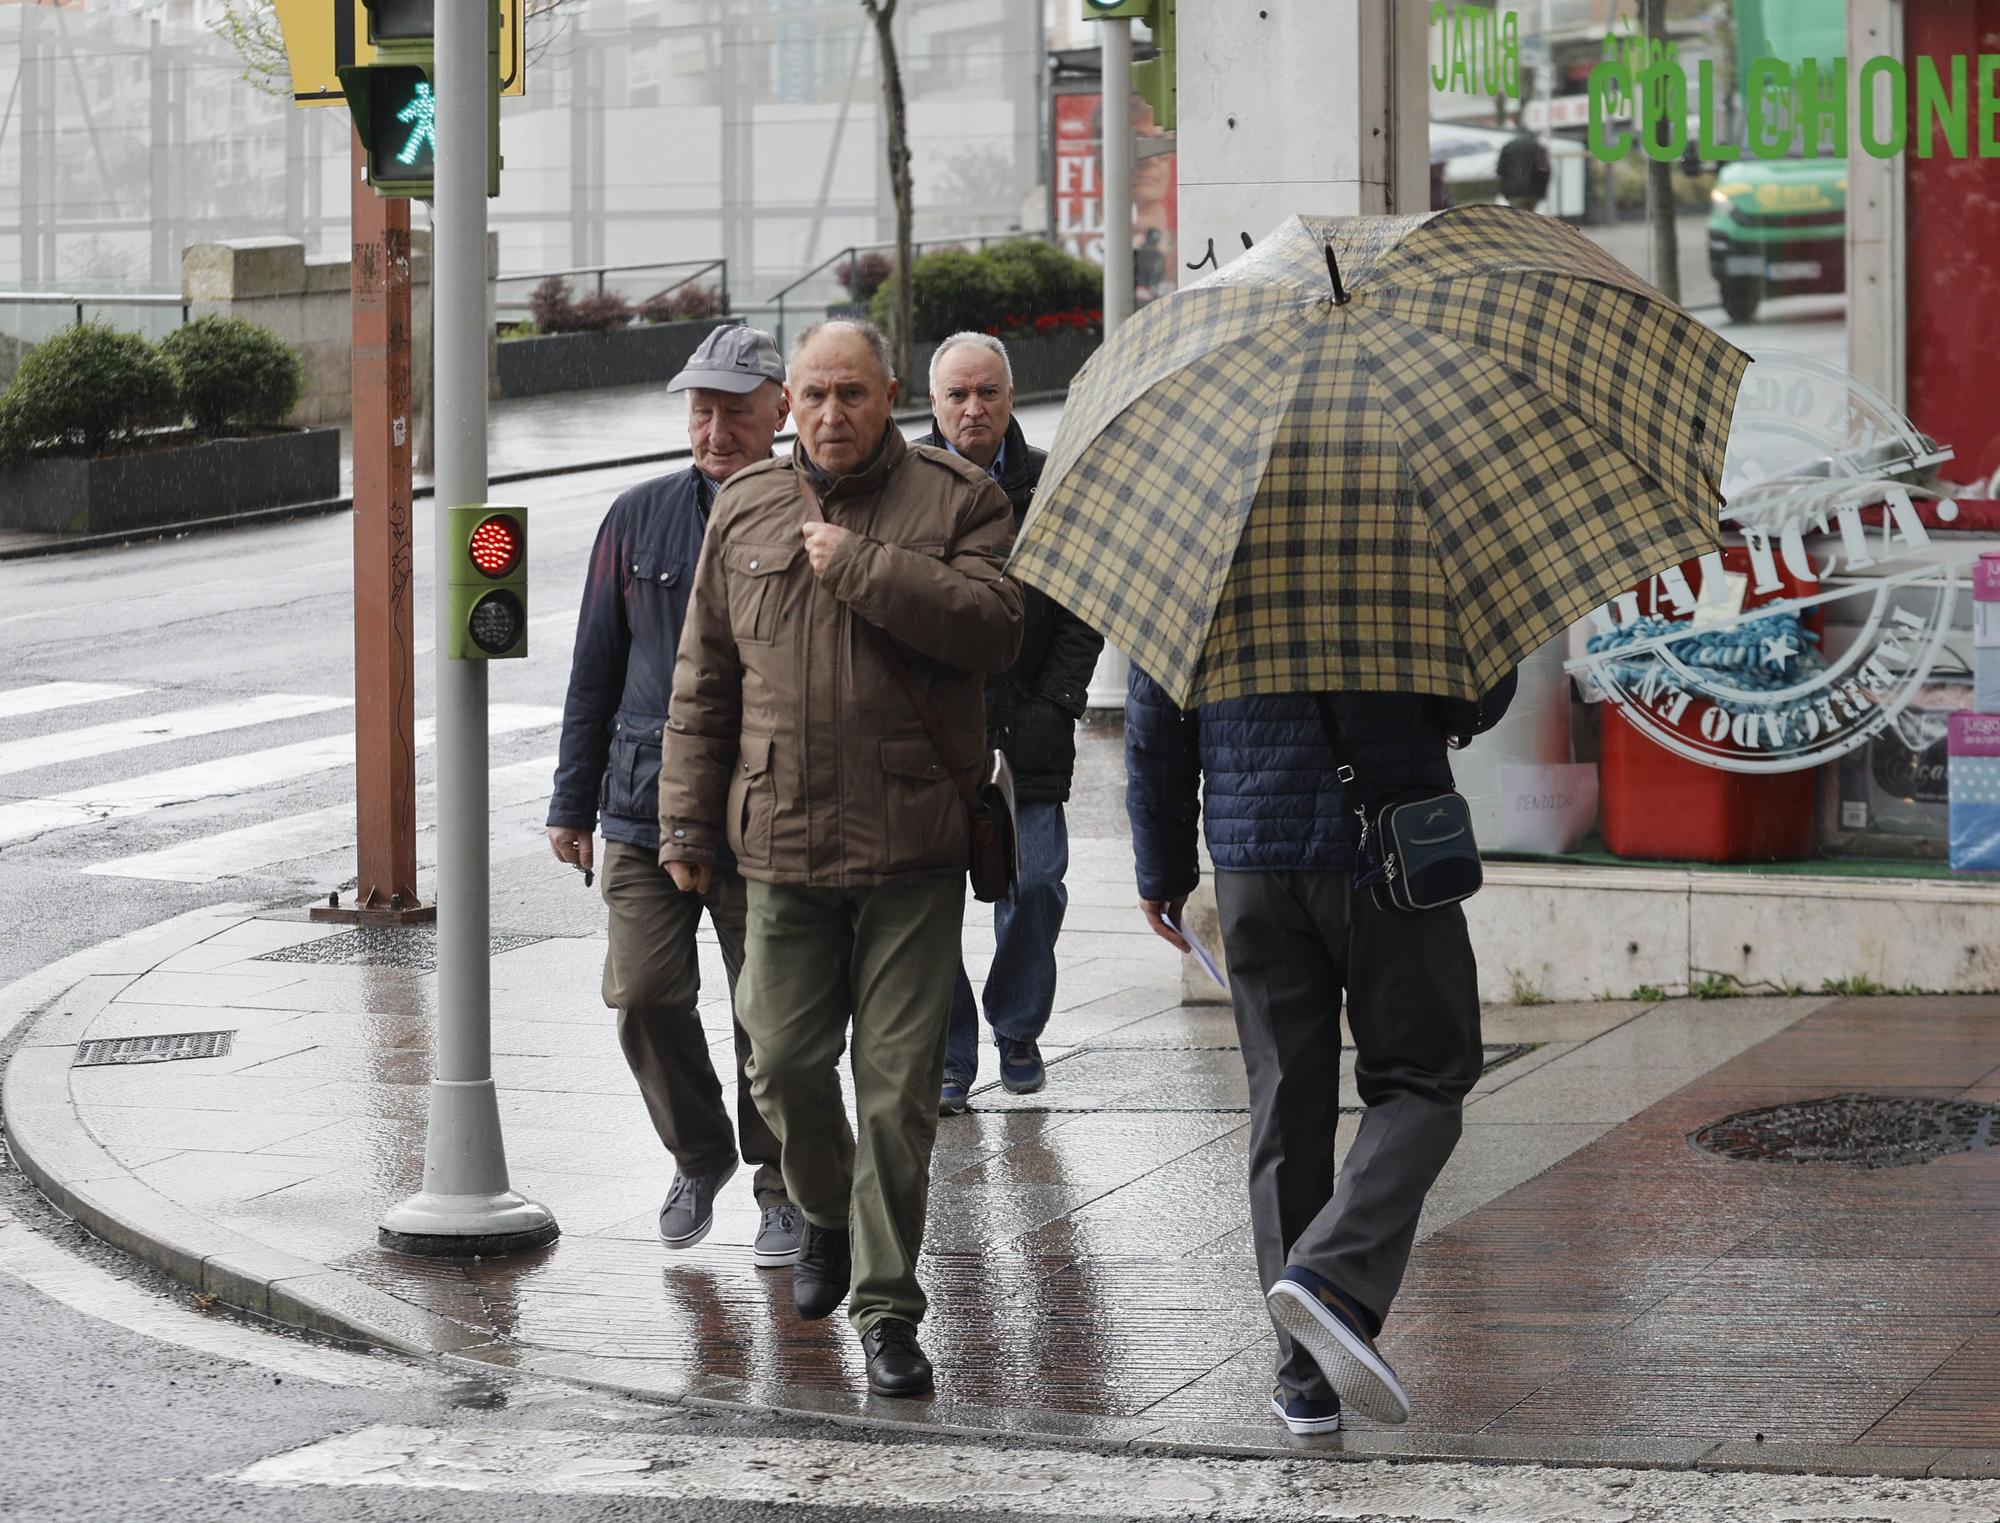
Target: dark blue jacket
(635,597)
(1265,770)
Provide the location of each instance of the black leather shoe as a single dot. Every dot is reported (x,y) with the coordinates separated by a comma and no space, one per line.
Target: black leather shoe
(896,1364)
(821,1278)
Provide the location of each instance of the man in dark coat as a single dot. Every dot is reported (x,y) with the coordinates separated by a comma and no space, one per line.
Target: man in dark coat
(635,599)
(1298,935)
(1031,714)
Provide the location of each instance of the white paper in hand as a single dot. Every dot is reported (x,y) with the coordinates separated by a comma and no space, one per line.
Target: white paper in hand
(1201,953)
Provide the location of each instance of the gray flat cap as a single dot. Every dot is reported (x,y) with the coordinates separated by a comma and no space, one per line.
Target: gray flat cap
(732,358)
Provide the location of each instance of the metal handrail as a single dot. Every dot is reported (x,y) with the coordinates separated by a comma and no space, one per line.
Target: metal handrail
(979,240)
(109,299)
(696,267)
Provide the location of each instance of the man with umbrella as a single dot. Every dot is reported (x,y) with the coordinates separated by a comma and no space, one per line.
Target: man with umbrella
(1335,492)
(1297,934)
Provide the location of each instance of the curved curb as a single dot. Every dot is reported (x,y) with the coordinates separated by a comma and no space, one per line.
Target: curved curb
(57,1151)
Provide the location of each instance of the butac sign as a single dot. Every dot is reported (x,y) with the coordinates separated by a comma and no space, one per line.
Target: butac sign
(1813,633)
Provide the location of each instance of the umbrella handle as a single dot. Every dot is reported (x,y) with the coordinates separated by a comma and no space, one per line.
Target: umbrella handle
(1340,296)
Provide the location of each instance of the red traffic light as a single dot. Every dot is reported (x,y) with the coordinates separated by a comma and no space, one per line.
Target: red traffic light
(495,546)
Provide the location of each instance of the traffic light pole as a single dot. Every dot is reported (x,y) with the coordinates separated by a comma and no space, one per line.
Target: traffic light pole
(385,772)
(1107,682)
(466,1205)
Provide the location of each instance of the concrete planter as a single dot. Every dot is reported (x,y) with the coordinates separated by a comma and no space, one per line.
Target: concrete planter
(1043,363)
(177,483)
(634,356)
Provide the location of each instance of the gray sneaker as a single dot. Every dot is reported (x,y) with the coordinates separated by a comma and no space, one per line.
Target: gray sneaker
(690,1207)
(781,1237)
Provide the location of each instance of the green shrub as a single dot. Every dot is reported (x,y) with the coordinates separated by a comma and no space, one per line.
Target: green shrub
(233,373)
(84,389)
(1011,289)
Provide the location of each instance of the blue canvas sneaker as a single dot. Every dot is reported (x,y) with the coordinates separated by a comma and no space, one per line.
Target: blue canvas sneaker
(1306,1415)
(952,1096)
(1327,1326)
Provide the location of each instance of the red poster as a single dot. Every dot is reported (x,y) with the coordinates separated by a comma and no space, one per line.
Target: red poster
(1078,177)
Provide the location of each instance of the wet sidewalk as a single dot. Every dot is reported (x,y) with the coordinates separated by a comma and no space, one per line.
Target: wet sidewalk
(1591,1285)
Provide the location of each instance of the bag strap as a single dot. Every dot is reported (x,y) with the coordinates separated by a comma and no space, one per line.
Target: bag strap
(933,722)
(1343,763)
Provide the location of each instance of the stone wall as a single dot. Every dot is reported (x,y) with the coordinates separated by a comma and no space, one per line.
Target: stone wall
(307,303)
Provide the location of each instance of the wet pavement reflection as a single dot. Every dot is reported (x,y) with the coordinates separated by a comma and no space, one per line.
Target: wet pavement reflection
(1583,1270)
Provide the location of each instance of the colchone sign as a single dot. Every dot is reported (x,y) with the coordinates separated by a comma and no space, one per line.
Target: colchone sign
(1822,618)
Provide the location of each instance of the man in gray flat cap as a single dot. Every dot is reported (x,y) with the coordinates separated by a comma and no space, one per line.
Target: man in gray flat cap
(635,598)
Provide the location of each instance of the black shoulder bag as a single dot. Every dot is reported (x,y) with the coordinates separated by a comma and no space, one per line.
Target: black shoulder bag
(1415,853)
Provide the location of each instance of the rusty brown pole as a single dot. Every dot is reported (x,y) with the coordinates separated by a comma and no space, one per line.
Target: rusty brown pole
(385,770)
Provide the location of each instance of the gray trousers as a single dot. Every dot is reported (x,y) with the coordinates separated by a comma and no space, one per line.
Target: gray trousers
(652,978)
(1295,940)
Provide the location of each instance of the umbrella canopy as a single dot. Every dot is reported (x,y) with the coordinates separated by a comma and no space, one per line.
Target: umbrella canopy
(1261,486)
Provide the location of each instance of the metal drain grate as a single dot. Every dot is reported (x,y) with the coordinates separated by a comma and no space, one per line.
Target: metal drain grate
(1865,1131)
(152,1049)
(413,948)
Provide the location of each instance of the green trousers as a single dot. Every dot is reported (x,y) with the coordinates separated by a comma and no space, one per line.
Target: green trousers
(884,959)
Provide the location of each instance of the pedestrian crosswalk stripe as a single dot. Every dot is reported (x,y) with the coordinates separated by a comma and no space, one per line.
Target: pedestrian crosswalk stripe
(226,775)
(43,696)
(156,729)
(232,852)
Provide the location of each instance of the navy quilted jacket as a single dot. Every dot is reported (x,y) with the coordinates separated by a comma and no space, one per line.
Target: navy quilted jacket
(1265,772)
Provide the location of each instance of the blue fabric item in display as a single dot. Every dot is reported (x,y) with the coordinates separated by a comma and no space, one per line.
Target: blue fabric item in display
(1762,655)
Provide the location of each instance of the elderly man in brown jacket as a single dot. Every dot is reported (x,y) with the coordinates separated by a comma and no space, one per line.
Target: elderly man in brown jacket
(791,739)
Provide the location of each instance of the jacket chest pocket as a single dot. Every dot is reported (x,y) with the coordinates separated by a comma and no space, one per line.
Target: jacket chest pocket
(753,800)
(757,577)
(656,599)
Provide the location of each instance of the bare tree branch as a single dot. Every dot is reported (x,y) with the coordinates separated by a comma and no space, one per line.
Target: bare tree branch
(883,14)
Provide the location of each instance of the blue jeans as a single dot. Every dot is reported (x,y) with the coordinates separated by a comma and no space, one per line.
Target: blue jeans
(1021,984)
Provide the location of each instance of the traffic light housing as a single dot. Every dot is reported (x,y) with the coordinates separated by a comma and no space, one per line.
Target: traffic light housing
(1154,79)
(394,99)
(486,582)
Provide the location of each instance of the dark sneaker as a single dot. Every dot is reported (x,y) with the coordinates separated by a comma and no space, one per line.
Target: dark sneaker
(1021,1066)
(825,1269)
(896,1362)
(690,1207)
(1327,1326)
(952,1096)
(781,1236)
(1306,1415)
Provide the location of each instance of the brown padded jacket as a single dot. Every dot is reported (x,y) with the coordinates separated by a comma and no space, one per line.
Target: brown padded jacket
(787,734)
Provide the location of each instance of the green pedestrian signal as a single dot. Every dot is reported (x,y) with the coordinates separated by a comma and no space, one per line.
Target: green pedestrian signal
(394,99)
(485,574)
(420,116)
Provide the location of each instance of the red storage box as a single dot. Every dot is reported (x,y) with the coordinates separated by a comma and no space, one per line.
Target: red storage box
(1657,805)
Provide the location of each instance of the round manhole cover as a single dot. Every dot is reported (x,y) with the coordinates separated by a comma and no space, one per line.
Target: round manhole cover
(1867,1131)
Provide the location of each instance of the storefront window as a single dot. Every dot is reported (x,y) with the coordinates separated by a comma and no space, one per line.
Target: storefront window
(1790,699)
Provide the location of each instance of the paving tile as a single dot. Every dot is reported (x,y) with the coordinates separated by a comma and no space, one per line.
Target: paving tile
(1824,1459)
(1958,1403)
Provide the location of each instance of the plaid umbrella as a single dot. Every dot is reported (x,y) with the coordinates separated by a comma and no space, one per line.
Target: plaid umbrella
(1381,453)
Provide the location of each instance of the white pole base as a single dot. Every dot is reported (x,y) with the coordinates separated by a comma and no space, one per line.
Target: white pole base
(467,1226)
(466,1206)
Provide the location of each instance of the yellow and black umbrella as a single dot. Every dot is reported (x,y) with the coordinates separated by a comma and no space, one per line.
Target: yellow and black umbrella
(1381,453)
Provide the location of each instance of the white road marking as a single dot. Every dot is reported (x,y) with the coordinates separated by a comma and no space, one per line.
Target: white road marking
(157,729)
(227,775)
(229,852)
(85,1287)
(43,696)
(877,1480)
